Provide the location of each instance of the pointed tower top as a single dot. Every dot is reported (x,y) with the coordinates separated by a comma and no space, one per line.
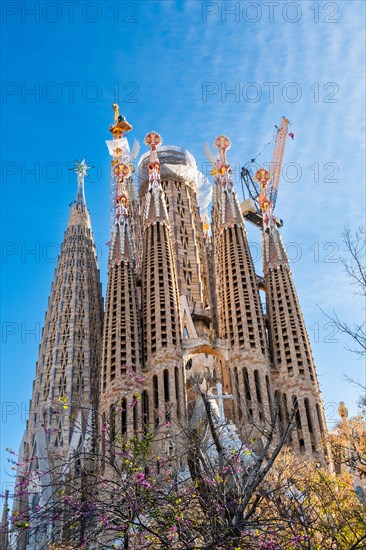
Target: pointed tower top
(81,169)
(155,207)
(121,247)
(230,211)
(79,213)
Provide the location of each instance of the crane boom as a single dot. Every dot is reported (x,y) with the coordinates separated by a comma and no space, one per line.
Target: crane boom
(258,208)
(277,159)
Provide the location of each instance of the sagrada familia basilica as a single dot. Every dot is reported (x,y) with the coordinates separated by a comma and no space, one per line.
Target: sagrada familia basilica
(182,307)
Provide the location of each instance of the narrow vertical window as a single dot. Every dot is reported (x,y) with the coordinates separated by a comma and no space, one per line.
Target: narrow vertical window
(177,392)
(279,409)
(297,412)
(320,419)
(135,422)
(124,416)
(112,431)
(145,410)
(166,395)
(246,384)
(258,386)
(104,427)
(237,389)
(269,397)
(156,400)
(308,415)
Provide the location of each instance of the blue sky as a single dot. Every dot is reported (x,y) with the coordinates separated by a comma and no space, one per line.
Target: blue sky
(171,65)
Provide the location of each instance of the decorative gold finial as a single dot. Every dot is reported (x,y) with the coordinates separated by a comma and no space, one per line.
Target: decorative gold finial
(120,123)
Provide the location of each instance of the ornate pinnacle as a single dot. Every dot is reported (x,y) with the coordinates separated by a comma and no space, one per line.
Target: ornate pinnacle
(81,168)
(121,173)
(230,211)
(223,168)
(155,195)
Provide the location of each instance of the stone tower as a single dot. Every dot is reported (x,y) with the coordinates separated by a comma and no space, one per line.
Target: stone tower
(121,353)
(64,393)
(178,175)
(240,316)
(160,304)
(70,348)
(295,379)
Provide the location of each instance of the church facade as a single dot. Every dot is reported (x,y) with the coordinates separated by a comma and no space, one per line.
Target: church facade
(182,308)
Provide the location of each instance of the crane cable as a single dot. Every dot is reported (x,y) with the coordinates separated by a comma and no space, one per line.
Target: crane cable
(252,160)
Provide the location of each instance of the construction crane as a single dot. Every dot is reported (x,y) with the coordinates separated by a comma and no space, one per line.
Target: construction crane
(262,191)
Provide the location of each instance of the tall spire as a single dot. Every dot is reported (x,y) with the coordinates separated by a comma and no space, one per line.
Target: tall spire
(160,301)
(71,338)
(296,383)
(296,379)
(121,329)
(65,385)
(240,316)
